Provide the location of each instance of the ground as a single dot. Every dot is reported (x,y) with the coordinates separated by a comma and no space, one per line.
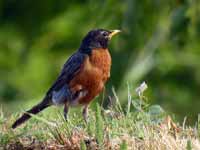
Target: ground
(139,126)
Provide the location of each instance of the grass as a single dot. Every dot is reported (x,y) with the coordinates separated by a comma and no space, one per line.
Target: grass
(140,126)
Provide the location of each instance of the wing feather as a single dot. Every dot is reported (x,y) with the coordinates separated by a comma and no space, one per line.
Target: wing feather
(69,71)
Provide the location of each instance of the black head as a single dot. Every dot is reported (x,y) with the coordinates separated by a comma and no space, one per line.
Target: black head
(98,38)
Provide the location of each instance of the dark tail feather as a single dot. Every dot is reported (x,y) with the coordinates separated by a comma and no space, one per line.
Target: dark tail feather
(36,109)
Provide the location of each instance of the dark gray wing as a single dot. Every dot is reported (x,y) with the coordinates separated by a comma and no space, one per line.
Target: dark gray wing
(69,71)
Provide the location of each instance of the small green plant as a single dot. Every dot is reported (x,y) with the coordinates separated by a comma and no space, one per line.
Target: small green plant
(2,118)
(124,145)
(99,125)
(83,146)
(91,128)
(198,127)
(189,145)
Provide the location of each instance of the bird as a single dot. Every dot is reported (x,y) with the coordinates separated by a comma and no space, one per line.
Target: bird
(82,77)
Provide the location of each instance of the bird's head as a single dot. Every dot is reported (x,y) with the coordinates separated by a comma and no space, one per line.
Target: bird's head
(97,38)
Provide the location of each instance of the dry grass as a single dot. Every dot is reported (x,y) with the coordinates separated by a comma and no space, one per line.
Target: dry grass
(155,137)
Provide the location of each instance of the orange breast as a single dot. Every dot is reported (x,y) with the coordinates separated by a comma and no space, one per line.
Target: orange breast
(93,75)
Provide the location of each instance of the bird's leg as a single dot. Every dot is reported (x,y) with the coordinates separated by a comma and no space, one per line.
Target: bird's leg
(66,109)
(85,113)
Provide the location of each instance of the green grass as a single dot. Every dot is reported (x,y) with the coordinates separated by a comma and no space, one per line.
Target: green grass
(140,126)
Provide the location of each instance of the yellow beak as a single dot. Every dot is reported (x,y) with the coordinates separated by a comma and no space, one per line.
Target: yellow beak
(113,32)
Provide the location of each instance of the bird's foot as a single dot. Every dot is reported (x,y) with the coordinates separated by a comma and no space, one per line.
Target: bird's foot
(66,109)
(85,113)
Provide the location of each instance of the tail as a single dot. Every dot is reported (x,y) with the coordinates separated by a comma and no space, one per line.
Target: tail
(36,109)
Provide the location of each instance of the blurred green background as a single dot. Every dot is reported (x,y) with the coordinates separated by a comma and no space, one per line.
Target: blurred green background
(159,44)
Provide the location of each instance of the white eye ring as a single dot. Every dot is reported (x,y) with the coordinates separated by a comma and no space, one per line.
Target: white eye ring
(104,33)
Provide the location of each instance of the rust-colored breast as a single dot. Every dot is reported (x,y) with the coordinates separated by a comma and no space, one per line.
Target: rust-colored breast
(93,75)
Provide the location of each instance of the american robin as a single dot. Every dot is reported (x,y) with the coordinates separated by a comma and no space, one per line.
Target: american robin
(82,78)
